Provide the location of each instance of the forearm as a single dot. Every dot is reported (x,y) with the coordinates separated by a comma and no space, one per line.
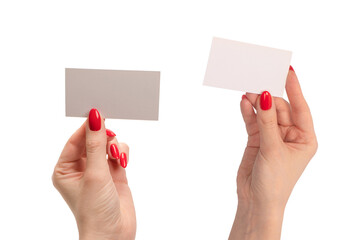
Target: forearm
(252,223)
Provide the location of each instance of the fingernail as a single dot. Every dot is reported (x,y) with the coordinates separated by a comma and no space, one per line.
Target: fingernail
(265,100)
(243,97)
(291,68)
(110,133)
(123,160)
(94,120)
(114,151)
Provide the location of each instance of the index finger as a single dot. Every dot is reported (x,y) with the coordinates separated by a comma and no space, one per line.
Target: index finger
(75,146)
(300,111)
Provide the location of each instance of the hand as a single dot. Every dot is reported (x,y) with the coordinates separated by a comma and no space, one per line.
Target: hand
(96,188)
(281,142)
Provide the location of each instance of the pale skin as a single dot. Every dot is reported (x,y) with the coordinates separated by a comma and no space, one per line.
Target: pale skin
(281,142)
(95,187)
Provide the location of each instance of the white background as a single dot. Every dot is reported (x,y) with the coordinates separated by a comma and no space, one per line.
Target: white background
(182,168)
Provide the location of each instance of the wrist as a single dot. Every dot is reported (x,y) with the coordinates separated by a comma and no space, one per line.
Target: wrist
(91,236)
(254,222)
(98,234)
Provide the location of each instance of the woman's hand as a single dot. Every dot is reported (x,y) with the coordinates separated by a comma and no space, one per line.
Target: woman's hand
(94,187)
(281,142)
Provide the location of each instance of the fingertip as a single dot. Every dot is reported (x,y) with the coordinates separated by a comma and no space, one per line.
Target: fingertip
(114,150)
(265,107)
(245,104)
(124,155)
(95,120)
(291,68)
(110,133)
(123,160)
(252,98)
(291,79)
(266,101)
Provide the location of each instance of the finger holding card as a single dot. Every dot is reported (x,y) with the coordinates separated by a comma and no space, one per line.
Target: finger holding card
(249,116)
(300,111)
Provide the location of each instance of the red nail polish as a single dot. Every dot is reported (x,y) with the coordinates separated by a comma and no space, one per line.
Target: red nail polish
(265,100)
(94,120)
(110,133)
(291,68)
(114,151)
(243,97)
(123,160)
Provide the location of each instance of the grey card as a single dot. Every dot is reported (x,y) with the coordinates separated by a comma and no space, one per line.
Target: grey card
(115,93)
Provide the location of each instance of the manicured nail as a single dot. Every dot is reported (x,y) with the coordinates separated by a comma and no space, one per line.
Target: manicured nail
(110,133)
(291,68)
(114,151)
(123,160)
(94,120)
(243,97)
(265,100)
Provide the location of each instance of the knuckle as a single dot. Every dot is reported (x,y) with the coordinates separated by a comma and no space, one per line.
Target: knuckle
(124,147)
(93,145)
(315,146)
(54,181)
(268,123)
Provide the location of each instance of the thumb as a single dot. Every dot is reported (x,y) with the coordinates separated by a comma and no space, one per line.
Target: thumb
(267,121)
(95,142)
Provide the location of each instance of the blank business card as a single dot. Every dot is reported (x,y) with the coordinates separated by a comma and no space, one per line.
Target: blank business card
(247,67)
(115,93)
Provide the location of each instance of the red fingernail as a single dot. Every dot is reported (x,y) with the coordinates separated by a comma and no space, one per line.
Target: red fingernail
(291,68)
(110,133)
(243,97)
(123,160)
(94,120)
(265,100)
(114,151)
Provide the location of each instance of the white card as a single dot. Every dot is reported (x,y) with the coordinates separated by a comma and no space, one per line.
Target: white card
(247,67)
